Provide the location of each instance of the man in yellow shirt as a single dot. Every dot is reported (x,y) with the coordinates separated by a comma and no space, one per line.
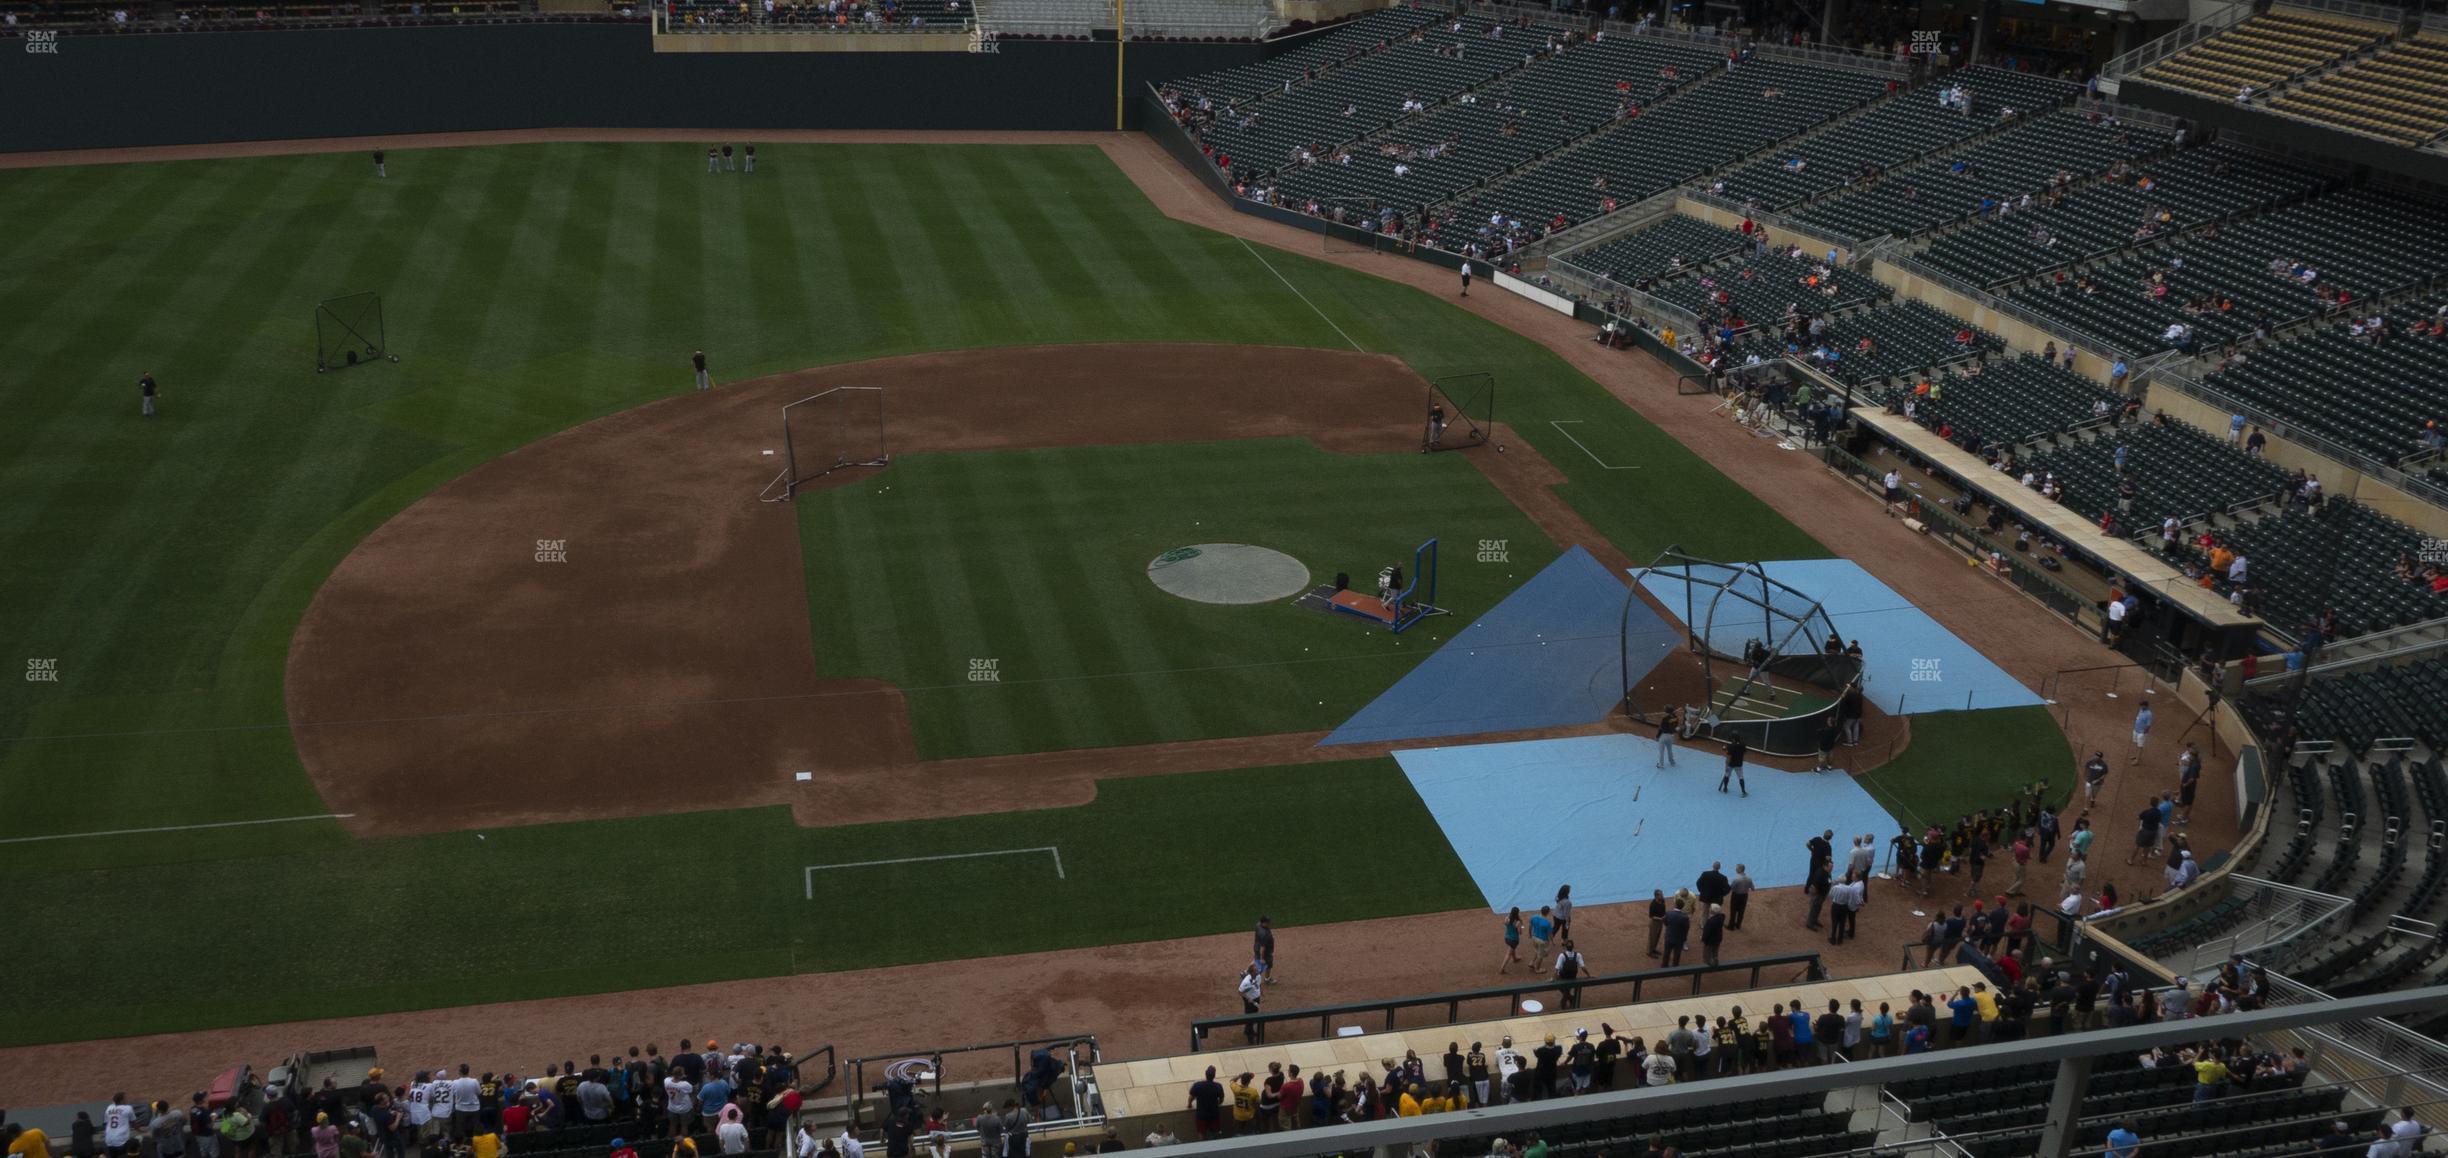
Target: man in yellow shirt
(1245,1103)
(1987,1003)
(1409,1106)
(28,1142)
(2210,1075)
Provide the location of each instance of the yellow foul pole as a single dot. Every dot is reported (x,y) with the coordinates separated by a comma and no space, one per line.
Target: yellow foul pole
(1121,37)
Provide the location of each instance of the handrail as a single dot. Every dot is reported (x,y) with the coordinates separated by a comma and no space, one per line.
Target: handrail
(832,1070)
(138,25)
(2183,38)
(1605,227)
(858,1089)
(1257,1023)
(2413,484)
(2390,14)
(664,27)
(1601,286)
(1772,219)
(1984,299)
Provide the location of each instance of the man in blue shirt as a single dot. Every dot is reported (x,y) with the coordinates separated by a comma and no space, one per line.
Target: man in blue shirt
(711,1098)
(2123,1142)
(1961,1010)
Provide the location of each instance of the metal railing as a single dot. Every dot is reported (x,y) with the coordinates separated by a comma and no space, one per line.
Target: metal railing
(1597,287)
(1982,298)
(2374,1046)
(2268,915)
(141,22)
(2412,484)
(2389,14)
(2183,38)
(1572,992)
(1516,1120)
(1821,236)
(925,1067)
(663,26)
(831,1070)
(1605,227)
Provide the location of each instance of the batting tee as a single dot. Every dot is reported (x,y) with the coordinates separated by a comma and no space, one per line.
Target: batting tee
(1757,666)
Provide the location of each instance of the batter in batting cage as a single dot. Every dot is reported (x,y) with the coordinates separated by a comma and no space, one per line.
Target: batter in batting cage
(1461,412)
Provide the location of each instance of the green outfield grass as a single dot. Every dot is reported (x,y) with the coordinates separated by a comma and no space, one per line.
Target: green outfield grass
(1037,559)
(164,564)
(580,908)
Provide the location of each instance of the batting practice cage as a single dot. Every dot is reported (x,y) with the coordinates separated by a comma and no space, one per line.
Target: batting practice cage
(349,330)
(1756,663)
(1461,412)
(828,431)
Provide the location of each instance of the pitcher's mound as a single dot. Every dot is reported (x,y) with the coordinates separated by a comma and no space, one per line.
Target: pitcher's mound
(1229,573)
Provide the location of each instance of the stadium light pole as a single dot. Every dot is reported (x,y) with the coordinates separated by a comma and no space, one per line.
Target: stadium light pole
(1121,37)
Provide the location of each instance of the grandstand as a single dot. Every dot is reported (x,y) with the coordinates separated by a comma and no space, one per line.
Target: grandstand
(1860,148)
(2264,52)
(1827,228)
(2001,171)
(2165,198)
(2271,271)
(2398,94)
(2374,394)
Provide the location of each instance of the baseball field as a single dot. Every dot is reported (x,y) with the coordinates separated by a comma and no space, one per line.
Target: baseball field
(484,674)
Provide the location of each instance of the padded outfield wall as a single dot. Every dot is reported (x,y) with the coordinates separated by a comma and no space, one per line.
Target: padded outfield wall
(200,88)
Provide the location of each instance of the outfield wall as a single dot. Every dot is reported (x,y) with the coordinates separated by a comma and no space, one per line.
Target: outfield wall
(209,87)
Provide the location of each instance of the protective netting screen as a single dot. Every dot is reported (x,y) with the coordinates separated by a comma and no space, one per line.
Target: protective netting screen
(349,330)
(1461,411)
(829,431)
(1757,663)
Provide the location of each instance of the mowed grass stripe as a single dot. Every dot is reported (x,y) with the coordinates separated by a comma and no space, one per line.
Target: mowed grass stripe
(778,303)
(310,433)
(897,318)
(1070,294)
(129,571)
(1107,217)
(1057,638)
(101,228)
(946,259)
(1078,608)
(73,445)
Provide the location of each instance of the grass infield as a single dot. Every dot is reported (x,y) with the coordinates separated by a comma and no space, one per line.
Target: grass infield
(160,566)
(1037,560)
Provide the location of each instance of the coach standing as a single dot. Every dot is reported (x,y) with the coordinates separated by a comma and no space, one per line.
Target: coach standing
(380,170)
(147,388)
(1466,276)
(1250,988)
(704,381)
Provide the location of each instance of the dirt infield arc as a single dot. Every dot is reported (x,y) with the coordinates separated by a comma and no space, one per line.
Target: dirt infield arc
(608,622)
